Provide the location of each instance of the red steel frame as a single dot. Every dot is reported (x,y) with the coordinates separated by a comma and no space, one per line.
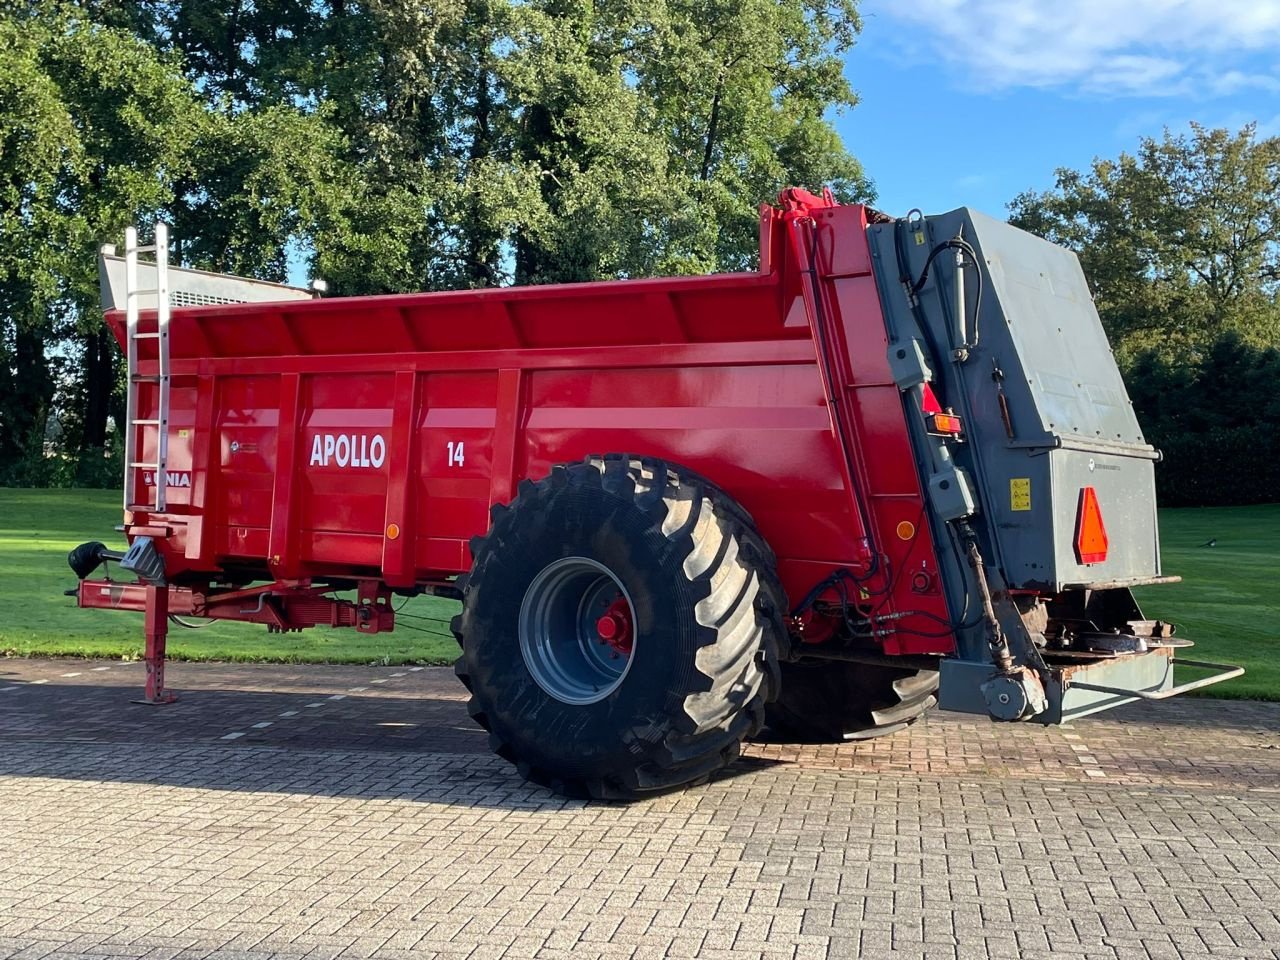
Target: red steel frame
(467,393)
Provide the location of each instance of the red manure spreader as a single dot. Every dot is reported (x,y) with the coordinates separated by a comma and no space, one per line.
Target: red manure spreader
(896,466)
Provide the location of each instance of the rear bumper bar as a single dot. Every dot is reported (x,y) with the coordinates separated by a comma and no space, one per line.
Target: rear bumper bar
(1079,689)
(1228,672)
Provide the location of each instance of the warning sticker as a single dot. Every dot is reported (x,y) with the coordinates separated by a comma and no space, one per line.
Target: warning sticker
(1020,493)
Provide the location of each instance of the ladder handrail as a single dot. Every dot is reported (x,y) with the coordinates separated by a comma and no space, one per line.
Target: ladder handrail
(160,422)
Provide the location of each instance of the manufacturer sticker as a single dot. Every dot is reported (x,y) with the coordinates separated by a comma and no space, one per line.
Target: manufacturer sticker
(1020,494)
(173,478)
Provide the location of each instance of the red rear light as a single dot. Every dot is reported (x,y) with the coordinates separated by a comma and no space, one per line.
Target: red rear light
(1091,533)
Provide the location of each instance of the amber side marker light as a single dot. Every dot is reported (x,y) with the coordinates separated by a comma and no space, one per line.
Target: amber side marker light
(946,424)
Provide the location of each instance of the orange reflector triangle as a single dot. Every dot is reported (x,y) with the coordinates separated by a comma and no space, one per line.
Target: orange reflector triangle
(1091,533)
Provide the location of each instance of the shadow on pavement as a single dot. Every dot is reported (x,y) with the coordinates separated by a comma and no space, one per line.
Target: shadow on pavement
(421,748)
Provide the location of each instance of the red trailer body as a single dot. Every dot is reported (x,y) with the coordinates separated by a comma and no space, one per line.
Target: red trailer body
(368,437)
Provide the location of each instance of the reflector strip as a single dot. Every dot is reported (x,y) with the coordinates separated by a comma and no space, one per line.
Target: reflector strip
(1091,533)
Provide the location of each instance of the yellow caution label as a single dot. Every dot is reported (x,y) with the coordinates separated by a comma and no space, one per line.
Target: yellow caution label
(1020,493)
(919,238)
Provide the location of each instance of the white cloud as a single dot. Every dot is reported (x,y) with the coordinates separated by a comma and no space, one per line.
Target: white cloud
(1196,48)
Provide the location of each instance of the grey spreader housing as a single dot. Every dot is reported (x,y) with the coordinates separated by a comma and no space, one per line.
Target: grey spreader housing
(1039,341)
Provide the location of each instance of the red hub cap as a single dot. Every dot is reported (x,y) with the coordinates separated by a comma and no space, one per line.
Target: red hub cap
(614,626)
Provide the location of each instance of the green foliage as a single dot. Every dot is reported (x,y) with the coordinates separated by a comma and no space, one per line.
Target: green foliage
(560,141)
(1181,243)
(656,129)
(1213,415)
(394,145)
(86,146)
(1181,240)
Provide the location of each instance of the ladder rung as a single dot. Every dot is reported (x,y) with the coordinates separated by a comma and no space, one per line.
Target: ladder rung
(158,262)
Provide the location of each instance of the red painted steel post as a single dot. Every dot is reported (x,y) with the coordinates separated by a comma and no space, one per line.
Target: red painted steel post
(156,625)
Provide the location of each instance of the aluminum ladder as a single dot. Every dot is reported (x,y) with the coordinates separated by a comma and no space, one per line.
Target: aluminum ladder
(133,423)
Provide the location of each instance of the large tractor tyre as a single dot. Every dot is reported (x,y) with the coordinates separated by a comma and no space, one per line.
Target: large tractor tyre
(833,701)
(620,629)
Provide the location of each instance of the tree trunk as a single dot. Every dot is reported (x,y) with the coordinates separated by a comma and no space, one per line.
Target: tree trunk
(712,124)
(482,259)
(100,381)
(531,259)
(32,392)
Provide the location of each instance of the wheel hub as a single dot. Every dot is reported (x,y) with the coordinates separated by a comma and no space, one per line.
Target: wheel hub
(577,630)
(614,626)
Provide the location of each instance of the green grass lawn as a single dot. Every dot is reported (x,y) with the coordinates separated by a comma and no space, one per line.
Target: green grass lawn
(1225,602)
(38,527)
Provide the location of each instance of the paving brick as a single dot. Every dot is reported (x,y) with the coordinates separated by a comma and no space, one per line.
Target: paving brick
(377,825)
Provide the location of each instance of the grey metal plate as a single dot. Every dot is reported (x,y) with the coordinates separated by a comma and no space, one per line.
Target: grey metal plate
(1071,419)
(188,287)
(1151,672)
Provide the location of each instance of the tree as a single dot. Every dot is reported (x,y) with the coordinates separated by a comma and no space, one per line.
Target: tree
(100,130)
(86,146)
(560,140)
(655,130)
(1181,241)
(392,145)
(1210,414)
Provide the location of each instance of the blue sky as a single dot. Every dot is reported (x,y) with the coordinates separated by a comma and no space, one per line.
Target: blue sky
(969,102)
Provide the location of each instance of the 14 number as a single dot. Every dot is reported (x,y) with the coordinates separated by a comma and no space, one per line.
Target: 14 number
(456,458)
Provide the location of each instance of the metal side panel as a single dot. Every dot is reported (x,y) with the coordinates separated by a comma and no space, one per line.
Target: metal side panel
(1123,486)
(1148,672)
(1054,329)
(188,287)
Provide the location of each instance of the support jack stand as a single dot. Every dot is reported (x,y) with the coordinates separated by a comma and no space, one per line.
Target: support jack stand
(157,629)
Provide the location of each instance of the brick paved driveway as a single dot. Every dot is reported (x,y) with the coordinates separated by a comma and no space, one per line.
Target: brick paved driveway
(354,811)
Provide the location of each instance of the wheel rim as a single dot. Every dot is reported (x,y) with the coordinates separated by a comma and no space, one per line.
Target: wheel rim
(577,630)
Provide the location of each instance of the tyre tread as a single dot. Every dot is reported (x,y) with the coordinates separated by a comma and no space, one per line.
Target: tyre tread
(729,565)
